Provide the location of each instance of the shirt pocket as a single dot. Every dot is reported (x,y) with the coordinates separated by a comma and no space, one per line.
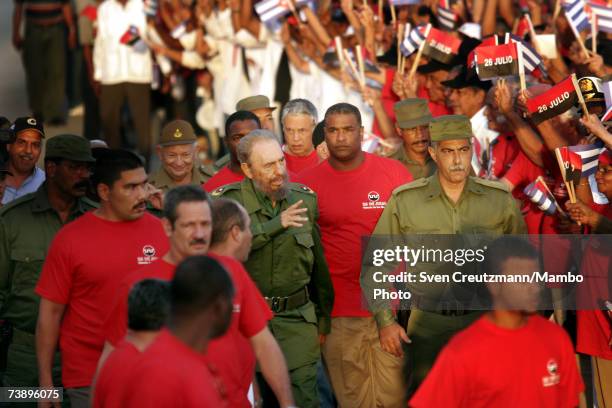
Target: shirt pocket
(304,253)
(28,264)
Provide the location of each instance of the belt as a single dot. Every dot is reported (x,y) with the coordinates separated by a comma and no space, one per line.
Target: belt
(452,308)
(280,304)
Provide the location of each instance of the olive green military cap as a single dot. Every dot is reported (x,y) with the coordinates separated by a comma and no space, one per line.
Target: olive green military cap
(177,132)
(450,127)
(412,112)
(254,102)
(69,147)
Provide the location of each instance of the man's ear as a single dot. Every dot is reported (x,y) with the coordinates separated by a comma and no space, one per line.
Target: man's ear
(432,153)
(50,167)
(246,169)
(103,192)
(398,131)
(167,226)
(361,132)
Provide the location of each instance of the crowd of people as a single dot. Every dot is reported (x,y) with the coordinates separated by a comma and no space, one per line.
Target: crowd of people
(290,132)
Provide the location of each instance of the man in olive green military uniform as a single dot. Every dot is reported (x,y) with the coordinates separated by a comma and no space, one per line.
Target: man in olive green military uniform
(448,202)
(413,118)
(27,226)
(260,106)
(286,260)
(177,152)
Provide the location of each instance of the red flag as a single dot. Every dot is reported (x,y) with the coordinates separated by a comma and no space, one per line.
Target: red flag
(553,102)
(496,61)
(130,37)
(522,28)
(90,12)
(441,46)
(570,164)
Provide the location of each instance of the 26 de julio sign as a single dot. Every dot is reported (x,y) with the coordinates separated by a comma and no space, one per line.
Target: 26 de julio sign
(553,102)
(496,61)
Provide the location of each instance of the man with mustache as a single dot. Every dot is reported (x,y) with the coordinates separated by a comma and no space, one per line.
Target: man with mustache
(188,222)
(448,202)
(286,261)
(24,148)
(413,117)
(27,226)
(80,276)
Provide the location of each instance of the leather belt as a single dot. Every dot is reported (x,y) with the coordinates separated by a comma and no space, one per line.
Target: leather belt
(444,308)
(279,304)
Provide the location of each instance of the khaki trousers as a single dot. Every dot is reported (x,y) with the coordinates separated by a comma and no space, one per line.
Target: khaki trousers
(360,372)
(602,377)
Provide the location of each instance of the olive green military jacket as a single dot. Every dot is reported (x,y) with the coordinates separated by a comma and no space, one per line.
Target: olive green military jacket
(162,180)
(416,169)
(27,226)
(421,207)
(284,260)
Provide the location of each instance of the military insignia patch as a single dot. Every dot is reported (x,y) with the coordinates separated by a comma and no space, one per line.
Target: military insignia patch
(218,191)
(307,189)
(178,134)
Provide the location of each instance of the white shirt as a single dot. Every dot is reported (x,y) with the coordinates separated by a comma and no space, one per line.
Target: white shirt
(229,83)
(483,135)
(114,62)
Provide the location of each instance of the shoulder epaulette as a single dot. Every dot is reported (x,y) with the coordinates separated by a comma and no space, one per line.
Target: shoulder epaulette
(301,188)
(17,202)
(422,182)
(491,183)
(219,191)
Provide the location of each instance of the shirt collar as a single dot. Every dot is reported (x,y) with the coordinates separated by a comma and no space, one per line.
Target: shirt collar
(434,189)
(41,202)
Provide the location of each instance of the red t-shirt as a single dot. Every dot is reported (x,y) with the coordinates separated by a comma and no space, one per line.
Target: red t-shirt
(489,366)
(170,374)
(350,204)
(504,152)
(388,98)
(116,322)
(231,354)
(521,174)
(223,177)
(112,380)
(436,109)
(297,164)
(87,260)
(594,331)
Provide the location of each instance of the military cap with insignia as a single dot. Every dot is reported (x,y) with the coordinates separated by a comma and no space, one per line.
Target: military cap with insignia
(27,123)
(69,147)
(450,127)
(412,112)
(254,102)
(177,132)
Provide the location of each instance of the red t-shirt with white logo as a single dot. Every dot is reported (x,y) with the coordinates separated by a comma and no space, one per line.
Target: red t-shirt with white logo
(170,374)
(116,322)
(298,164)
(350,204)
(489,366)
(231,354)
(86,262)
(112,383)
(223,177)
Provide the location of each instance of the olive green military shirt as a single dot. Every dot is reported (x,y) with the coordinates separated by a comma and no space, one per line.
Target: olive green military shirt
(161,179)
(415,168)
(422,207)
(284,260)
(27,227)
